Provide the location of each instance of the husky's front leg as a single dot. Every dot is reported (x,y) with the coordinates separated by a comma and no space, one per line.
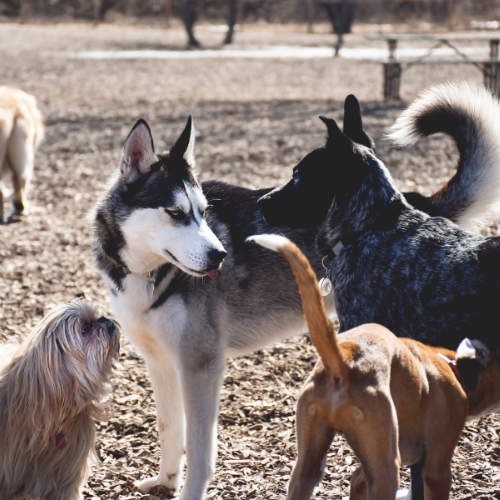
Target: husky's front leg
(201,382)
(170,421)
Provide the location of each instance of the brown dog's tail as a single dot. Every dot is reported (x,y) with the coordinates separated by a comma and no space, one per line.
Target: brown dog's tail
(321,330)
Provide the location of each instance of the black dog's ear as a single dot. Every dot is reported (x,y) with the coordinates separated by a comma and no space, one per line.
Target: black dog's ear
(353,124)
(184,147)
(333,129)
(138,153)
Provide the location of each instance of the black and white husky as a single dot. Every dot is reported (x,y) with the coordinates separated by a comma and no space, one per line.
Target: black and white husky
(160,237)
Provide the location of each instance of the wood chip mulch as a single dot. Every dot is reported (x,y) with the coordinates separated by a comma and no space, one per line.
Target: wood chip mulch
(89,107)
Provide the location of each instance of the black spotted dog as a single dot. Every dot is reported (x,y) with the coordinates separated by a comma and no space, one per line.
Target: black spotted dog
(422,277)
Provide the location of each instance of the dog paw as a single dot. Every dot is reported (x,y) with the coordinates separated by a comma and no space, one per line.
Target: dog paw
(401,494)
(166,486)
(146,484)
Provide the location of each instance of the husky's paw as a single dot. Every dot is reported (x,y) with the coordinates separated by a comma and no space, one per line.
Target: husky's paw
(170,484)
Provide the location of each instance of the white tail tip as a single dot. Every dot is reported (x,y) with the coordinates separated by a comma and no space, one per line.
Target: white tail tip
(271,241)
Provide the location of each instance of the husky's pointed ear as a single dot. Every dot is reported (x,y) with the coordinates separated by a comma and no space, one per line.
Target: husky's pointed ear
(184,147)
(138,153)
(353,124)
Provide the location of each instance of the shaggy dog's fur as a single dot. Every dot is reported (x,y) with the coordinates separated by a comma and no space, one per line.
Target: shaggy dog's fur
(50,387)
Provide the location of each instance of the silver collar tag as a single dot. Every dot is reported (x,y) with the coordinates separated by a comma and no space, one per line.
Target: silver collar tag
(325,285)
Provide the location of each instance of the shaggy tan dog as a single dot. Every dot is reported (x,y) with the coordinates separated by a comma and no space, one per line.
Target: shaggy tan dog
(21,131)
(50,387)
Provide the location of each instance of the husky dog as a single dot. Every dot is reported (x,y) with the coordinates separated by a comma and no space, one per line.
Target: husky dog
(21,131)
(422,277)
(160,239)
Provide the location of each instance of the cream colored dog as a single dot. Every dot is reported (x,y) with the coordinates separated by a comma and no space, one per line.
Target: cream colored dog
(50,387)
(21,131)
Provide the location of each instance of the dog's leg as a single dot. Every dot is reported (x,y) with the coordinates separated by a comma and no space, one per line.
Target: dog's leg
(373,435)
(21,155)
(201,382)
(436,476)
(4,138)
(416,491)
(358,490)
(1,200)
(171,424)
(314,436)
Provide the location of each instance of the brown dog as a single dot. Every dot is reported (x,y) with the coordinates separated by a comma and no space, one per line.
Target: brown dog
(397,401)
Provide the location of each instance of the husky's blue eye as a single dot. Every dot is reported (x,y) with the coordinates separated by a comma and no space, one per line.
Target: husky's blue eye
(86,328)
(175,214)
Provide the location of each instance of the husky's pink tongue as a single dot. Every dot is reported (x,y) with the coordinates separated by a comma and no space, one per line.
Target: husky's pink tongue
(212,274)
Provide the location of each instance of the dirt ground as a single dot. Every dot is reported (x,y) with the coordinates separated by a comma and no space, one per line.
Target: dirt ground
(255,118)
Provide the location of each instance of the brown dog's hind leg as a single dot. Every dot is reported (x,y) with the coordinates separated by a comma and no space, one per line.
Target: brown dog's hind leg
(358,489)
(437,479)
(373,435)
(314,436)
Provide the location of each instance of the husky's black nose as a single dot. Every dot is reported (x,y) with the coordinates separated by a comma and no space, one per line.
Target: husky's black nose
(216,256)
(110,326)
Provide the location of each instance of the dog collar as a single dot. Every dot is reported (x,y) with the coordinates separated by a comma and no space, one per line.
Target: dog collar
(122,268)
(453,365)
(338,248)
(61,440)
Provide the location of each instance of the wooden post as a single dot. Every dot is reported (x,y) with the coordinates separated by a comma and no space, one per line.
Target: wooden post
(392,73)
(97,11)
(23,10)
(168,13)
(495,66)
(241,13)
(392,80)
(310,16)
(492,69)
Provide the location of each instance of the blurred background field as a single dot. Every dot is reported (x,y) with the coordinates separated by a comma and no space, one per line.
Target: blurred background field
(255,118)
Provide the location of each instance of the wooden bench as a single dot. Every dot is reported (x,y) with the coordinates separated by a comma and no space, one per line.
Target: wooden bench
(394,69)
(393,66)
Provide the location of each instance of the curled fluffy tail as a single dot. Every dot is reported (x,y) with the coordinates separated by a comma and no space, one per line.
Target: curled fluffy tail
(471,116)
(321,330)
